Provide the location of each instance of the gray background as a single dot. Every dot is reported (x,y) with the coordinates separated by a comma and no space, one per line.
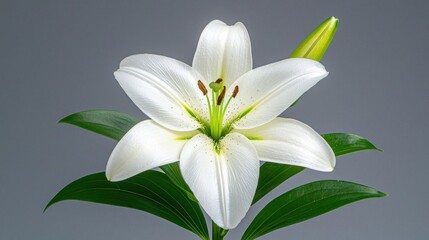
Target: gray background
(57,59)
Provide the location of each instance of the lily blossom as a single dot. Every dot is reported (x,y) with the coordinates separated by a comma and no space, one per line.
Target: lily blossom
(218,118)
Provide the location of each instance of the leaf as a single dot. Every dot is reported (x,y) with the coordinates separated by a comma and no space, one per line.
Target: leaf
(305,202)
(150,191)
(115,125)
(273,174)
(172,170)
(109,123)
(344,143)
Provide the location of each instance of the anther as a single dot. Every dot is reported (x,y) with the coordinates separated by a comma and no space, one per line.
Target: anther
(235,92)
(202,87)
(219,80)
(221,96)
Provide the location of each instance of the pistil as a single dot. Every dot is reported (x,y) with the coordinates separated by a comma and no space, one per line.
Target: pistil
(216,106)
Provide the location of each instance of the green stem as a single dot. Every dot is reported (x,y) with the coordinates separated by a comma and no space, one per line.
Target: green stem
(218,233)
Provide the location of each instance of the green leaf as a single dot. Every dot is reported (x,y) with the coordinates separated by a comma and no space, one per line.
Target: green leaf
(271,175)
(172,170)
(305,202)
(315,45)
(150,191)
(344,143)
(115,124)
(105,122)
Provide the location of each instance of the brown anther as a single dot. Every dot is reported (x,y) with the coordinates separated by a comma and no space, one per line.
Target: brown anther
(221,96)
(235,92)
(202,87)
(219,80)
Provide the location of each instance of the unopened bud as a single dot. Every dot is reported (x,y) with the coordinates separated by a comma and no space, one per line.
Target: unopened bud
(202,87)
(221,96)
(315,45)
(235,92)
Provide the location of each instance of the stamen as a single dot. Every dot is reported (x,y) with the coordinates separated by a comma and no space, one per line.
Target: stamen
(217,107)
(202,87)
(235,92)
(221,96)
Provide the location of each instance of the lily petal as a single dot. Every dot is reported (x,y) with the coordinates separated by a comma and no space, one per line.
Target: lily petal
(267,91)
(292,142)
(224,182)
(145,146)
(164,89)
(223,52)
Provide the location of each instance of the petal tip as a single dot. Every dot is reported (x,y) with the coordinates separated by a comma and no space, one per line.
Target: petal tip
(332,163)
(331,168)
(239,24)
(112,178)
(226,226)
(326,73)
(328,168)
(216,21)
(109,176)
(110,173)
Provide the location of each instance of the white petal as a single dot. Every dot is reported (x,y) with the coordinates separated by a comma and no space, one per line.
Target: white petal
(162,87)
(224,182)
(147,145)
(223,52)
(267,91)
(289,141)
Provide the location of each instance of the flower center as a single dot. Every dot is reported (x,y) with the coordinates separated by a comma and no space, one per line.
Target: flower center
(217,107)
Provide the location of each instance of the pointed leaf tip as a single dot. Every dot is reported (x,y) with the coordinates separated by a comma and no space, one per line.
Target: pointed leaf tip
(306,202)
(109,123)
(150,191)
(345,143)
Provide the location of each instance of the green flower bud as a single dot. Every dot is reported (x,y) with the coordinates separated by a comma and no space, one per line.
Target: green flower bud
(316,44)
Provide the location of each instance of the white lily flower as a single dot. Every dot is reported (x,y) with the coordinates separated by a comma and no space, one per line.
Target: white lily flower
(218,118)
